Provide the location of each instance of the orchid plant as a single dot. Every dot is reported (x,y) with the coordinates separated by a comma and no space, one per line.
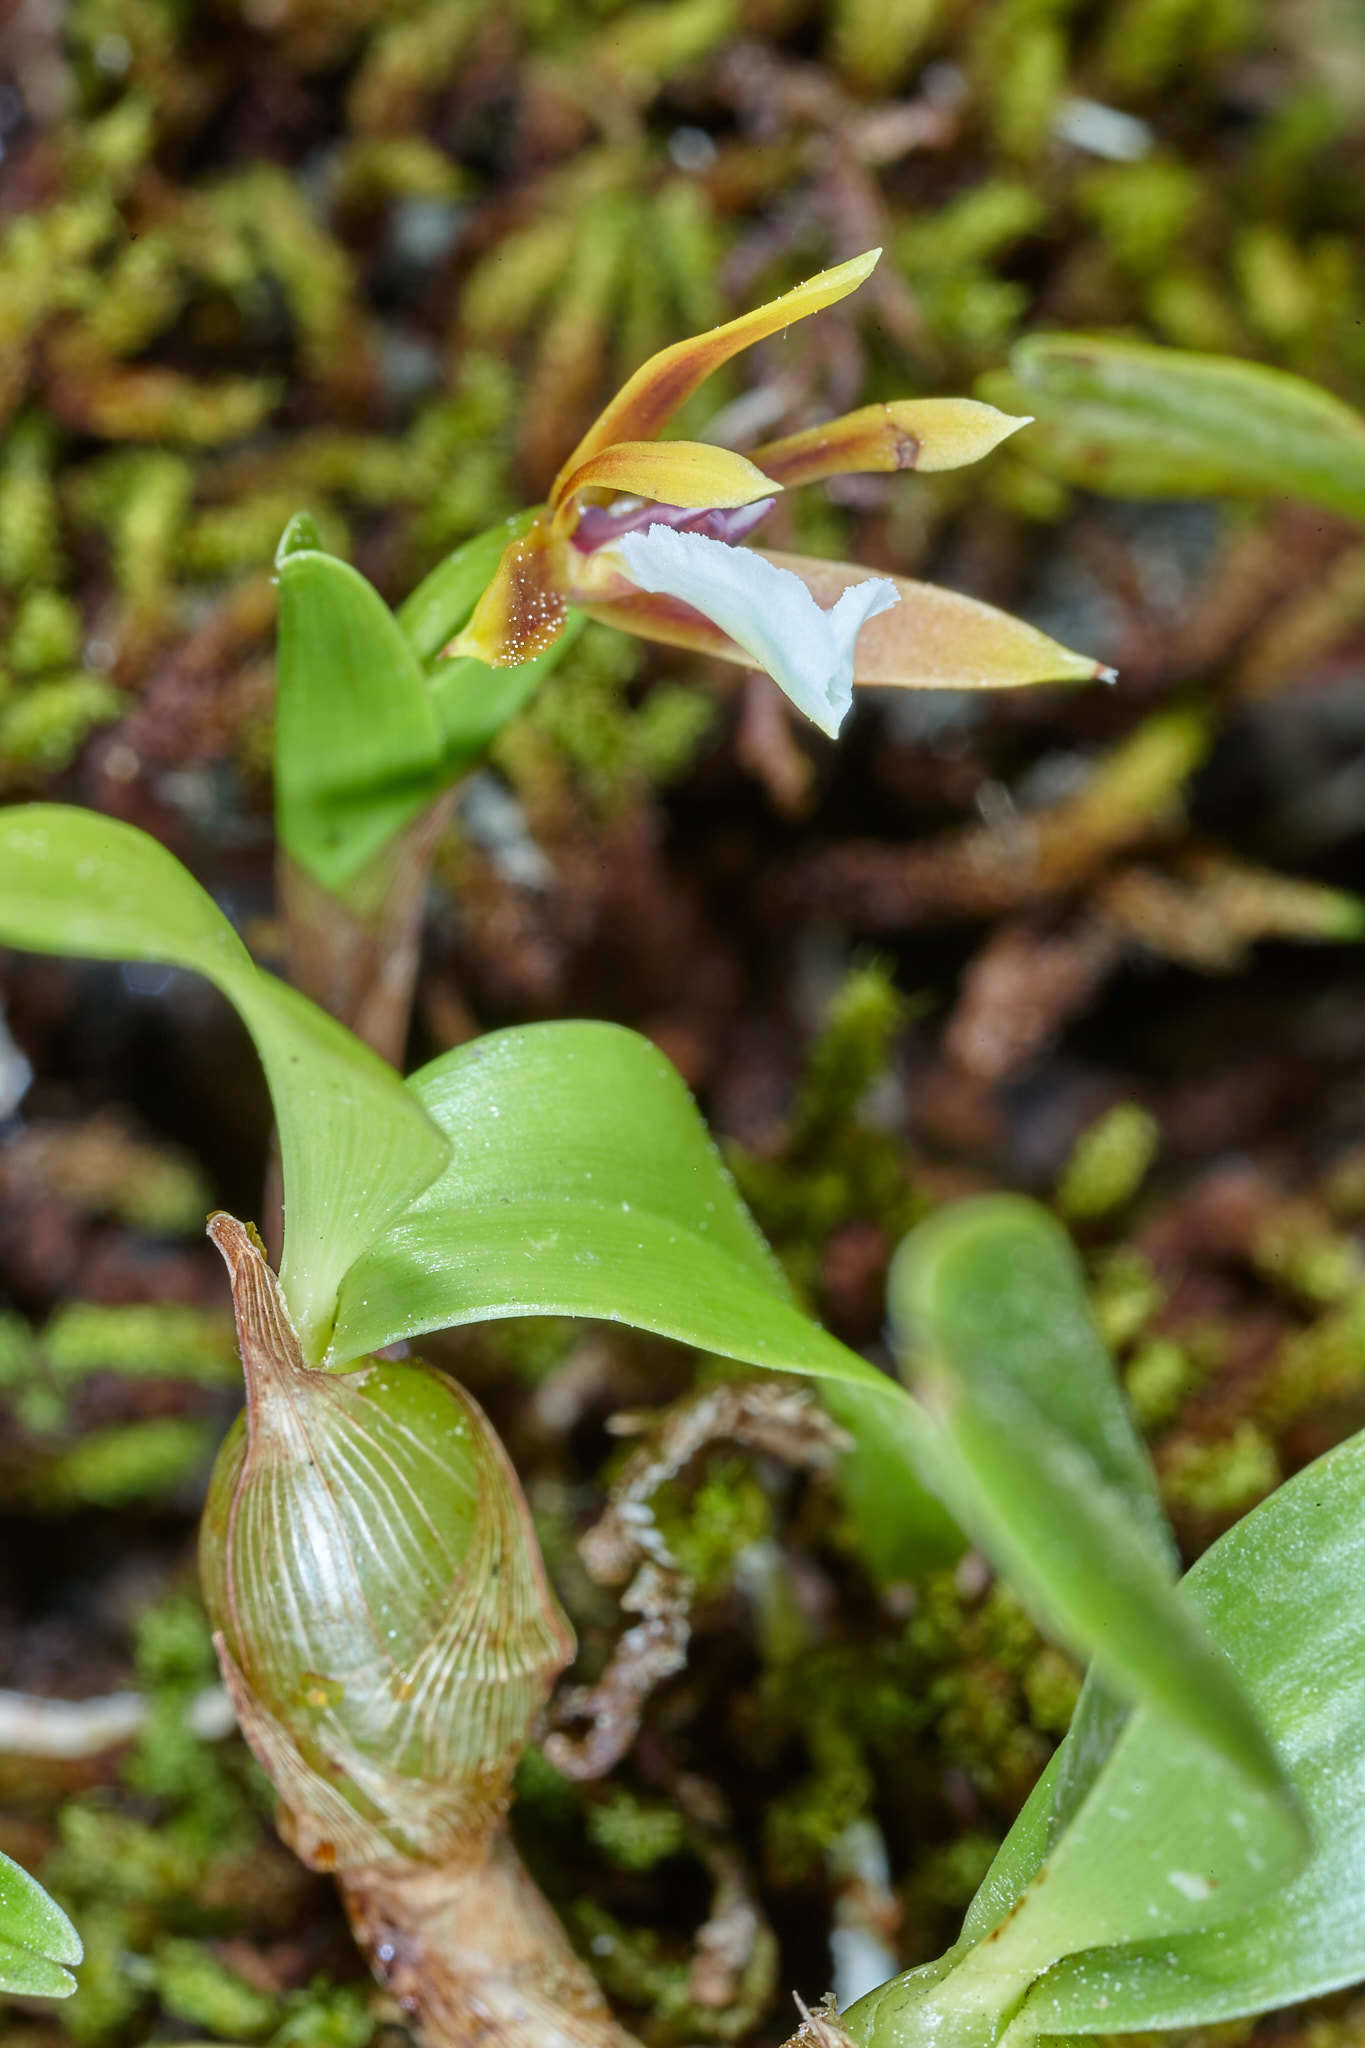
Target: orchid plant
(383,1620)
(380,714)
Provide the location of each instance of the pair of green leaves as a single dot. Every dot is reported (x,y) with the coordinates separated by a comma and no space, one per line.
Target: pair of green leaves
(1138,421)
(557,1169)
(37,1941)
(563,1169)
(369,726)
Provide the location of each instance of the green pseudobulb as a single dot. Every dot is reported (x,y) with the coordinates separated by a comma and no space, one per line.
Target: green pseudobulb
(379,1604)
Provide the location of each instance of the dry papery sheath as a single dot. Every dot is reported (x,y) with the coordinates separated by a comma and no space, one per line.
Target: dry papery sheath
(385,1629)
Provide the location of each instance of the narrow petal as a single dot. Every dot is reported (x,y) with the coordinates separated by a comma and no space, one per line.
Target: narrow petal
(691,474)
(765,610)
(649,399)
(939,640)
(522,611)
(909,433)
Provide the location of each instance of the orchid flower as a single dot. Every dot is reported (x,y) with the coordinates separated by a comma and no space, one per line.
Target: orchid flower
(647,535)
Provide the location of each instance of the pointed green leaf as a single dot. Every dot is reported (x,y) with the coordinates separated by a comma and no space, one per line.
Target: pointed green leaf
(1283,1593)
(583,1182)
(1139,421)
(358,746)
(355,1145)
(36,1938)
(1042,1465)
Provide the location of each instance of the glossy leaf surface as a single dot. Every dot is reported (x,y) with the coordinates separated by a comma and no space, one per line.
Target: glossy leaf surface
(357,741)
(1284,1594)
(355,1145)
(37,1940)
(1140,421)
(1044,1467)
(583,1182)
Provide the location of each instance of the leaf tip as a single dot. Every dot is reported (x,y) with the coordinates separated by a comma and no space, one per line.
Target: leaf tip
(300,536)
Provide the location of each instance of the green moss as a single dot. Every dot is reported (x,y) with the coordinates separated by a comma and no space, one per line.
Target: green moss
(1145,211)
(136,1461)
(195,1986)
(948,1877)
(1125,1295)
(42,730)
(142,1340)
(718,1520)
(30,551)
(18,1349)
(1159,1377)
(836,1166)
(873,41)
(46,632)
(326,2015)
(110,1989)
(108,1855)
(1052,1686)
(614,749)
(1301,1252)
(1317,1366)
(800,1827)
(635,1833)
(851,1052)
(1108,1163)
(543,1790)
(635,1967)
(1223,1479)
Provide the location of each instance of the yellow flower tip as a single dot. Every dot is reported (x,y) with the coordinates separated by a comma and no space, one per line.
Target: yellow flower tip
(649,398)
(956,431)
(907,433)
(691,474)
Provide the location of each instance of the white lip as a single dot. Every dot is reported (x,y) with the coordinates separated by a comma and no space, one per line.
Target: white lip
(765,610)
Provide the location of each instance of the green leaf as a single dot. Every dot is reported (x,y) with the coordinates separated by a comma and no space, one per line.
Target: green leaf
(583,1182)
(1283,1593)
(473,702)
(36,1938)
(358,746)
(444,600)
(1140,421)
(355,1145)
(1041,1463)
(1016,1862)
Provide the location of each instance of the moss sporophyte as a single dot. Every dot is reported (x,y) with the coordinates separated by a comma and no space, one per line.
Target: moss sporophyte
(646,535)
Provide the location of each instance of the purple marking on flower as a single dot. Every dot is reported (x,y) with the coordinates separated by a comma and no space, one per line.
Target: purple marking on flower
(600,524)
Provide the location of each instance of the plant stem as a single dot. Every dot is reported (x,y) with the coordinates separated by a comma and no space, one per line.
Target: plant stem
(471,1952)
(357,954)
